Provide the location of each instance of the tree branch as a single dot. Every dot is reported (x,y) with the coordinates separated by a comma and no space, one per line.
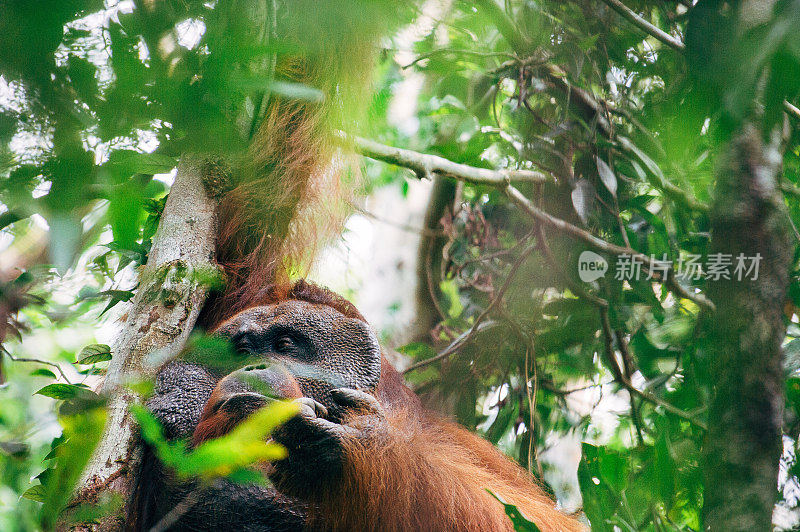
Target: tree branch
(674,42)
(443,51)
(677,193)
(789,188)
(623,379)
(424,164)
(594,110)
(642,24)
(601,245)
(454,346)
(428,165)
(791,110)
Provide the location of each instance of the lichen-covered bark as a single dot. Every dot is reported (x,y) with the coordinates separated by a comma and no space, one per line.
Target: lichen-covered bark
(161,317)
(743,444)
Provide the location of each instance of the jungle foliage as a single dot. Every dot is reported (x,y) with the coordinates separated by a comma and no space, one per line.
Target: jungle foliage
(625,113)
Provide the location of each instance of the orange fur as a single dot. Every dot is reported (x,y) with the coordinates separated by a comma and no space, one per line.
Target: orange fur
(426,474)
(421,473)
(417,472)
(289,150)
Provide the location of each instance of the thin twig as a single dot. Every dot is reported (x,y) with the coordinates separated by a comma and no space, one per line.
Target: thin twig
(670,189)
(581,98)
(171,517)
(620,377)
(576,289)
(439,51)
(505,25)
(454,346)
(790,188)
(629,366)
(593,108)
(398,225)
(532,451)
(596,110)
(558,391)
(601,245)
(37,361)
(672,41)
(479,321)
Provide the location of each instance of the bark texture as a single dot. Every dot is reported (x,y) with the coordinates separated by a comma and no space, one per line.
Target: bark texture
(161,317)
(429,259)
(744,439)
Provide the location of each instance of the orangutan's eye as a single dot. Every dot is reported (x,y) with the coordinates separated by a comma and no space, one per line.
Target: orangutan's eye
(244,349)
(243,344)
(283,344)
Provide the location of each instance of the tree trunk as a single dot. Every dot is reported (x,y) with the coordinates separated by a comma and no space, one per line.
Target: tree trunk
(162,315)
(743,444)
(429,259)
(169,298)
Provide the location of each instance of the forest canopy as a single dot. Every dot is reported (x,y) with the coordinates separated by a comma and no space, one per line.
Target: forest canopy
(605,266)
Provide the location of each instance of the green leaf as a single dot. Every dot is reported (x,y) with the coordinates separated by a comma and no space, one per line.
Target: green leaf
(116,297)
(793,392)
(607,176)
(9,217)
(82,432)
(286,89)
(504,421)
(450,292)
(43,372)
(589,42)
(125,163)
(35,493)
(91,354)
(648,162)
(261,424)
(62,391)
(244,445)
(124,213)
(154,206)
(215,458)
(664,468)
(54,445)
(791,353)
(65,234)
(599,501)
(583,199)
(82,74)
(521,524)
(417,350)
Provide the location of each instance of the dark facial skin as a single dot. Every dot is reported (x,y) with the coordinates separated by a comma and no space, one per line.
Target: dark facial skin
(310,353)
(314,345)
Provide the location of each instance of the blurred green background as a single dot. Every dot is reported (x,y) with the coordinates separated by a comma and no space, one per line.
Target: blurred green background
(98,99)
